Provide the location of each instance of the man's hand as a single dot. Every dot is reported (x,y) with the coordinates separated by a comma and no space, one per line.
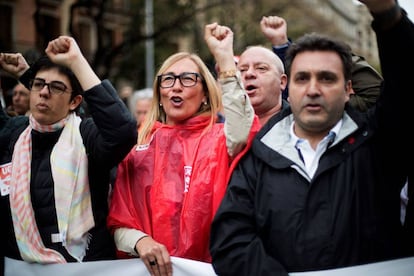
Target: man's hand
(219,40)
(275,29)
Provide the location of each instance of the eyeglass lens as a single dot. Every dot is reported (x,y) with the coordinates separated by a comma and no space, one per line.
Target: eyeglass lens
(56,87)
(186,79)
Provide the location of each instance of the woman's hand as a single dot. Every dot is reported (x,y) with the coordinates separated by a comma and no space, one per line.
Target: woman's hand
(155,256)
(14,64)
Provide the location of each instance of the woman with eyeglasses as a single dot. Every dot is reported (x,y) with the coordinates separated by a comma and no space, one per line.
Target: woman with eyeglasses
(54,166)
(169,186)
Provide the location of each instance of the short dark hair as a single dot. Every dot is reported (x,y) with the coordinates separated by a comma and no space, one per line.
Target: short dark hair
(44,63)
(319,42)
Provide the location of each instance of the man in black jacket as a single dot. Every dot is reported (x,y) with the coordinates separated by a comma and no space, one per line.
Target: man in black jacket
(320,187)
(55,166)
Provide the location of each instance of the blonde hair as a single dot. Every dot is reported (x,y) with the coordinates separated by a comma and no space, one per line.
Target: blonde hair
(210,88)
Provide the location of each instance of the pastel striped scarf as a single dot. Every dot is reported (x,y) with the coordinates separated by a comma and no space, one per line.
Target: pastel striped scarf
(72,195)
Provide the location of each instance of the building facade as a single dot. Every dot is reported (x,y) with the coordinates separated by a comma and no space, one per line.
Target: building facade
(28,25)
(353,20)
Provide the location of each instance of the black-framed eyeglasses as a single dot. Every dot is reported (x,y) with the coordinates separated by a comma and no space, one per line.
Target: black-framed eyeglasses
(187,79)
(55,87)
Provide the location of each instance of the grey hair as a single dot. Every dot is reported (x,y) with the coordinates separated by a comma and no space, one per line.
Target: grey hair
(142,94)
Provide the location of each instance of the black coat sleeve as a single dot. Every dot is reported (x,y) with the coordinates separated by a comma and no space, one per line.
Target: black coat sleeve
(111,130)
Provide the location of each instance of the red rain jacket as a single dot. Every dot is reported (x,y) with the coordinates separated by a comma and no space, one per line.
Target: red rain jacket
(172,188)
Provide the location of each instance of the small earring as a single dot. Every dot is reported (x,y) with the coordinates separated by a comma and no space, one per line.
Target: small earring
(160,104)
(205,103)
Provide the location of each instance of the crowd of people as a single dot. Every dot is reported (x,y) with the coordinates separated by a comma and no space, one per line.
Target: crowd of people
(20,101)
(286,162)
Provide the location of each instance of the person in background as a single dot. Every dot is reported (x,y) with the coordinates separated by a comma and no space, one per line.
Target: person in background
(140,105)
(320,186)
(53,203)
(169,186)
(366,81)
(20,101)
(264,79)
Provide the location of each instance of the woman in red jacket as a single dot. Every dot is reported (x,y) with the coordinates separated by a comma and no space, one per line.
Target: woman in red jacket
(169,186)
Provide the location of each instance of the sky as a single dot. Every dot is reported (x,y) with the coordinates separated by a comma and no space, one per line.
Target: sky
(408,5)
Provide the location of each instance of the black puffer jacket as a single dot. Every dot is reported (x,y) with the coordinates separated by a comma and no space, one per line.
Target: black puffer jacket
(108,135)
